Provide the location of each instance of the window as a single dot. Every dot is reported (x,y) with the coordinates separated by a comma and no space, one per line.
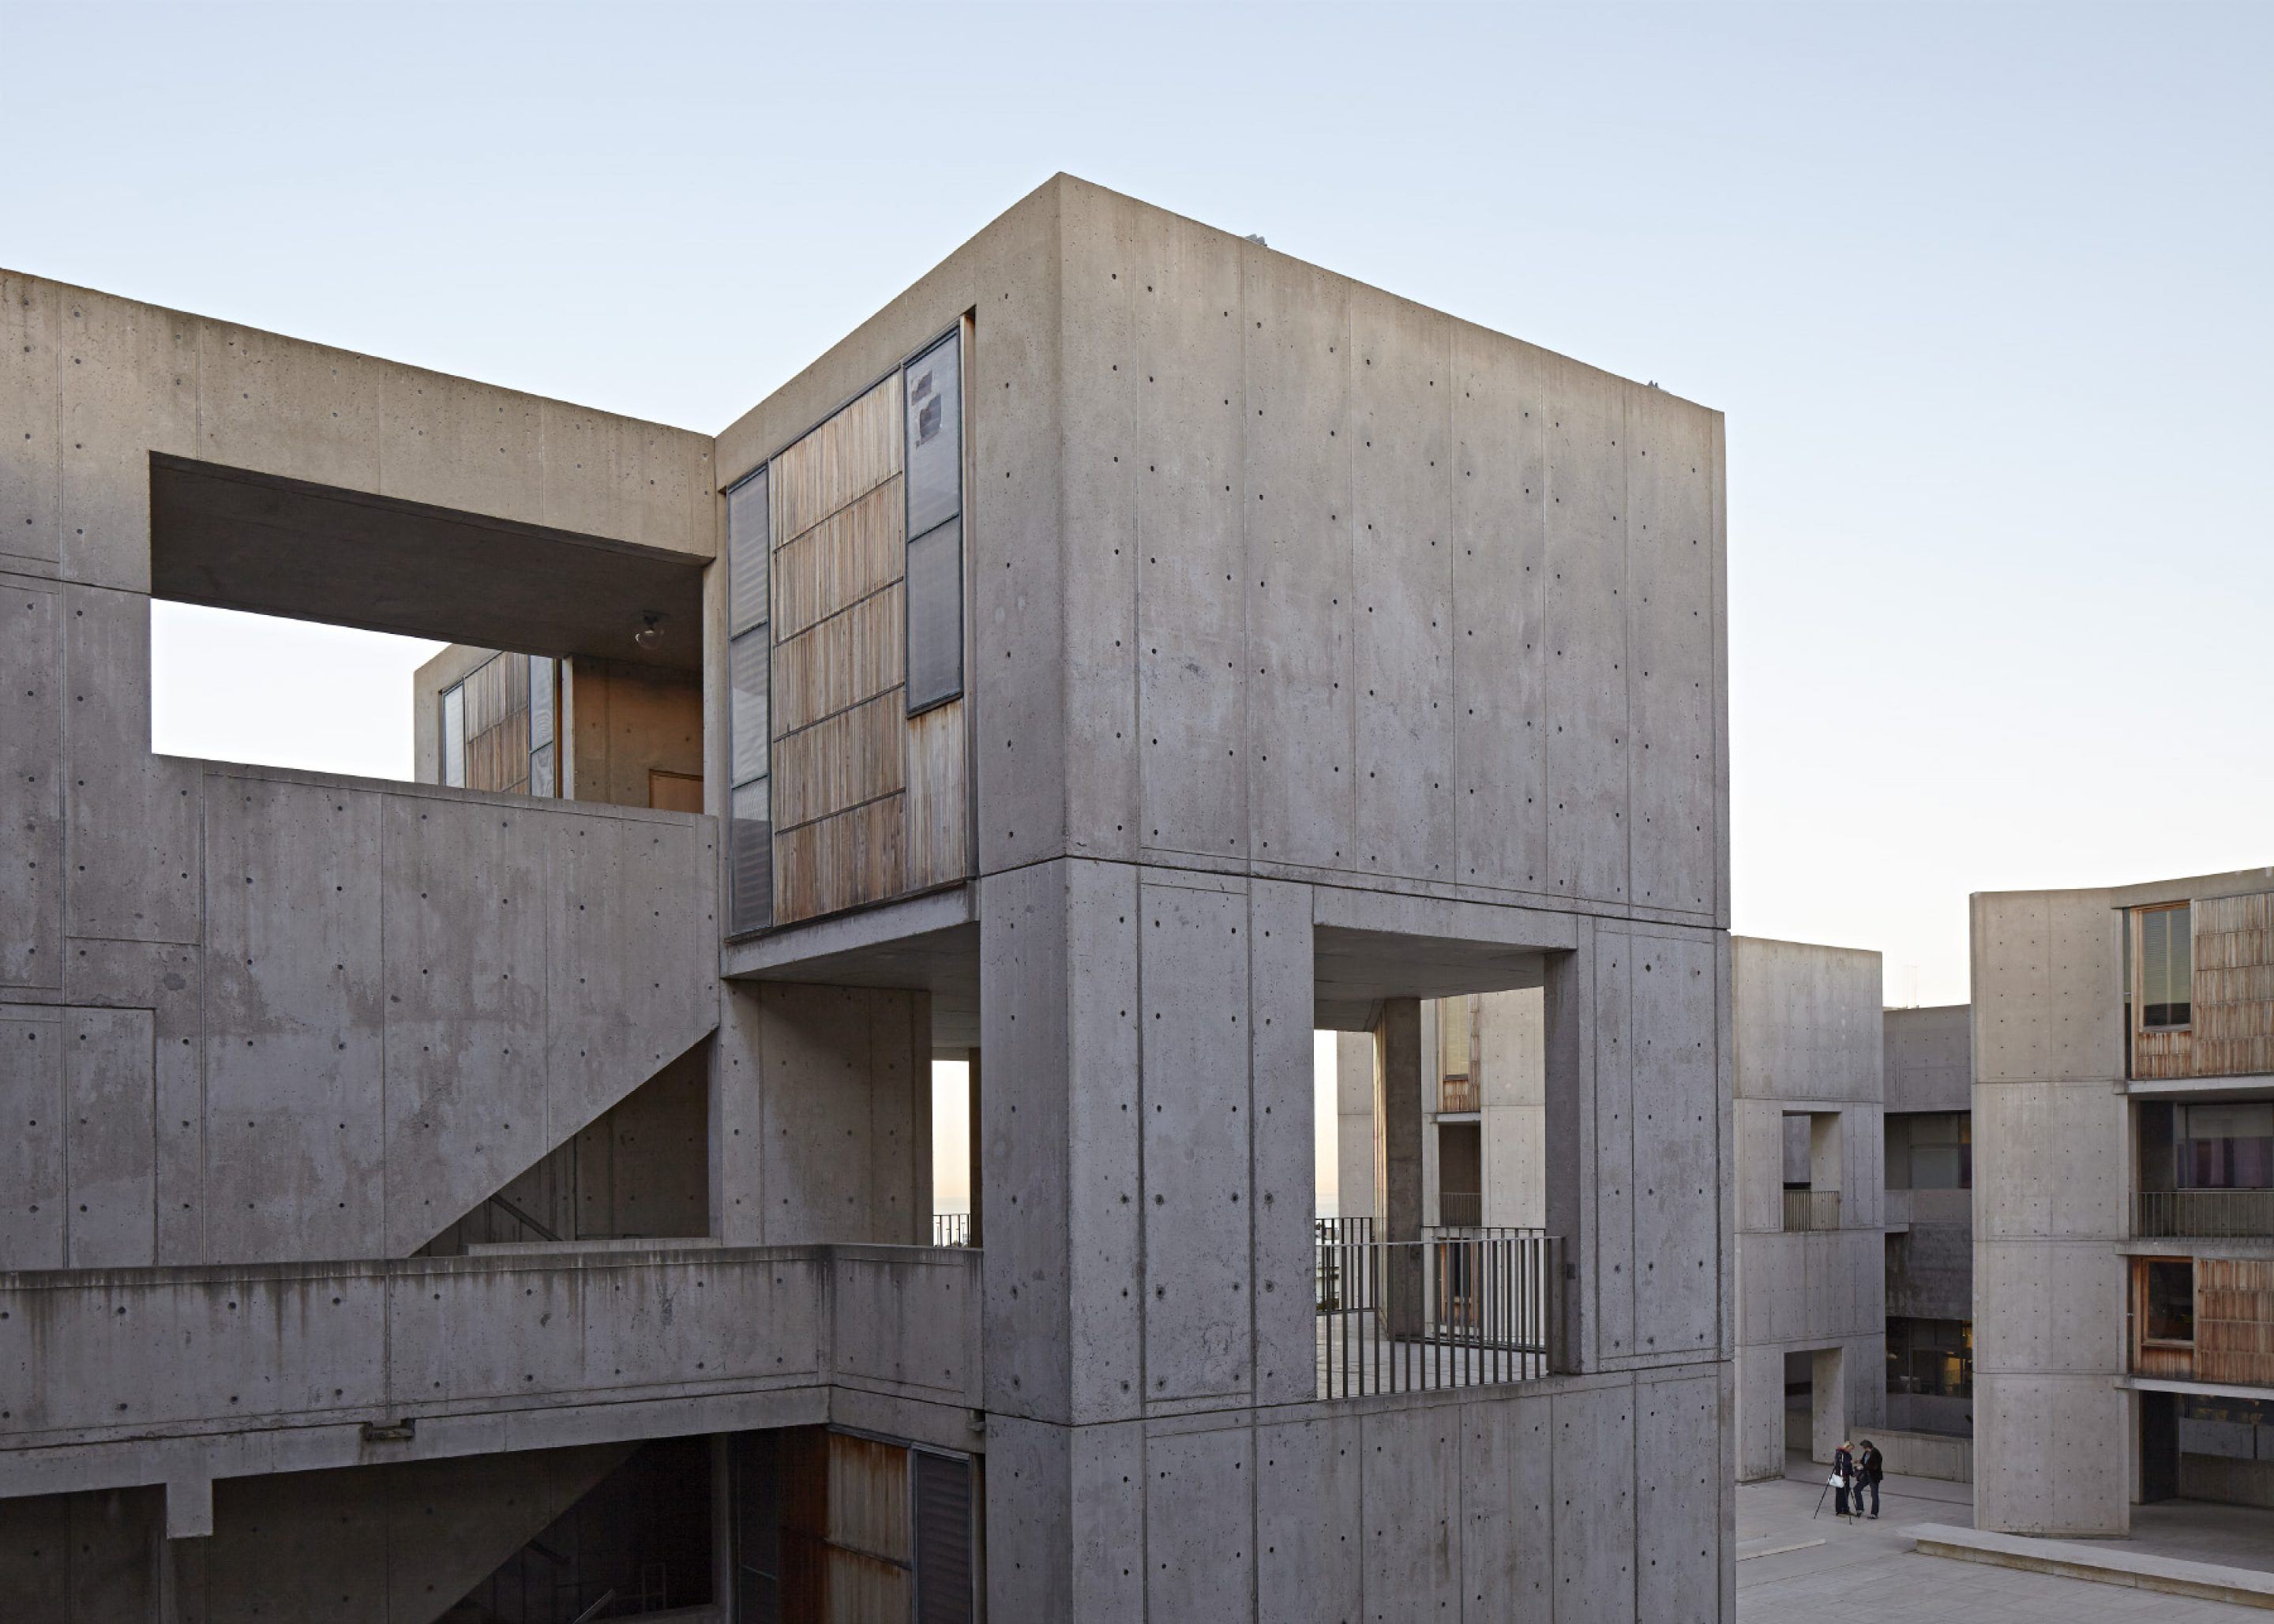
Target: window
(1942,1151)
(454,737)
(2228,1145)
(2169,1288)
(543,673)
(750,650)
(933,390)
(1934,1358)
(2166,967)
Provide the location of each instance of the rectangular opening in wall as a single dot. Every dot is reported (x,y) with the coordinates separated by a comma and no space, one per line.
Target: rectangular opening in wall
(298,626)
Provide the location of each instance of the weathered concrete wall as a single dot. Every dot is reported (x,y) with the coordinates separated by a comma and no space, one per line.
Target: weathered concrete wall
(1123,1151)
(2051,1176)
(1594,1497)
(1809,1048)
(1928,1058)
(1258,553)
(91,385)
(277,1368)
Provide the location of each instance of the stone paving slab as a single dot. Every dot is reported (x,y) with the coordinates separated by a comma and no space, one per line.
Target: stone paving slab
(1870,1571)
(2100,1562)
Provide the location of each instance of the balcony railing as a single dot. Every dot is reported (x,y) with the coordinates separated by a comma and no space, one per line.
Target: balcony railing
(1448,1311)
(951,1228)
(2163,1214)
(1455,1094)
(1811,1209)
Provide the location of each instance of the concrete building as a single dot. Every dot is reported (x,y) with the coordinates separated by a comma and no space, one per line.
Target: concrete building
(1811,1318)
(1130,650)
(1929,1206)
(2123,1053)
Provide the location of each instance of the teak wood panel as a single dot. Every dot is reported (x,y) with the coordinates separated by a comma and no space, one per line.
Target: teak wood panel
(853,453)
(846,660)
(849,758)
(848,555)
(2230,1033)
(867,803)
(2234,1320)
(940,828)
(497,725)
(841,862)
(2233,989)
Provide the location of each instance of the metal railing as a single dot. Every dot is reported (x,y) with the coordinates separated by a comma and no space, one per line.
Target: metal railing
(1329,1236)
(1453,1310)
(951,1228)
(1811,1209)
(2159,1215)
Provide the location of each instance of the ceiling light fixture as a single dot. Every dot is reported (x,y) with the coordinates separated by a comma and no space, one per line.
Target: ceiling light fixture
(649,634)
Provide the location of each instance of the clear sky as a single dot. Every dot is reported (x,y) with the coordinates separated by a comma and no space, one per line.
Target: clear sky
(1982,289)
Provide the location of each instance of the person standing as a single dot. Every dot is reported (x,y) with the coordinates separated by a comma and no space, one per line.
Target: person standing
(1871,1466)
(1843,1478)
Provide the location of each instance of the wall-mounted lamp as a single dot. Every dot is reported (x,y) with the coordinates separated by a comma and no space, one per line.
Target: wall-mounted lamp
(649,634)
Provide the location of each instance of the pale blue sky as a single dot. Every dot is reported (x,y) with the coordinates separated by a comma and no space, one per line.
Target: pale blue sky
(1983,290)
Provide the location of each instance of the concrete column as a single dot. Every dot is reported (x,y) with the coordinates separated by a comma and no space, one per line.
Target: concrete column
(1146,1165)
(975,1228)
(1403,1061)
(821,1115)
(1828,1384)
(1354,1124)
(1398,1081)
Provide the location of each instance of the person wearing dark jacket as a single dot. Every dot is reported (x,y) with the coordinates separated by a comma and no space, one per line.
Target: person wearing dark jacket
(1843,1479)
(1871,1466)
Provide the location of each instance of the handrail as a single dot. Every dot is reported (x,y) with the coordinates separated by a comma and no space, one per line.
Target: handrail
(1448,1311)
(521,1216)
(2209,1215)
(1811,1209)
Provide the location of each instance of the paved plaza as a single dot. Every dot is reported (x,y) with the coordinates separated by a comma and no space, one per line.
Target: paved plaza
(1796,1569)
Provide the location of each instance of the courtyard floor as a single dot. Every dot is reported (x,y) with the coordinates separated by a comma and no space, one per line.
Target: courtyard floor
(1793,1569)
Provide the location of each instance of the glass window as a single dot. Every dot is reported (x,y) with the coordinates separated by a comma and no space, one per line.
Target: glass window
(2228,1145)
(933,382)
(1934,1358)
(750,654)
(936,617)
(748,531)
(541,754)
(750,856)
(746,670)
(454,736)
(2166,967)
(1942,1151)
(2171,1293)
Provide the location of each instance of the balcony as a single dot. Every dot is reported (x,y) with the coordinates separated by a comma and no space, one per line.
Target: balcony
(1811,1209)
(1447,1311)
(2202,1214)
(543,1344)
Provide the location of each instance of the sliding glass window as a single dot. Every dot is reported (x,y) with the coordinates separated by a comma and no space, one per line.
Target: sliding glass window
(749,812)
(933,387)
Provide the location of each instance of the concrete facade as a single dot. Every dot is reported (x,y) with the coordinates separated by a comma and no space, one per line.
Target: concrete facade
(2070,1388)
(1325,654)
(1811,1256)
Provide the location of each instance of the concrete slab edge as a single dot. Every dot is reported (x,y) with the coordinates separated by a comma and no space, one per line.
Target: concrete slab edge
(2200,1580)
